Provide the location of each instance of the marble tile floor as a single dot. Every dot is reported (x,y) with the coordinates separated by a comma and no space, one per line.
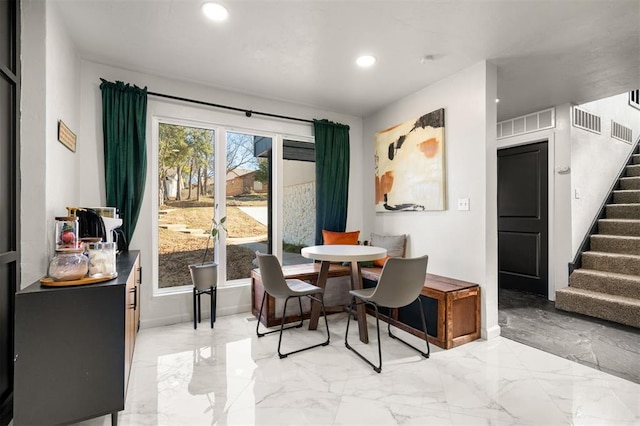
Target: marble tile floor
(227,376)
(534,321)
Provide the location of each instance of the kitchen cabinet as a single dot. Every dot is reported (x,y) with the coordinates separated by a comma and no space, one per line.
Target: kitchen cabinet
(74,347)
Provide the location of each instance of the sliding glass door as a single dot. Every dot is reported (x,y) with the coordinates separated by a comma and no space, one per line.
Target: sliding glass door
(262,183)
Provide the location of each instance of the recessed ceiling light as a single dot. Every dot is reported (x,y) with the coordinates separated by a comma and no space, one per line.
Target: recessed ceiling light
(215,11)
(365,61)
(497,100)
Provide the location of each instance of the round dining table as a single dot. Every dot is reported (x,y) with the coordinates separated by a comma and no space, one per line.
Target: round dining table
(343,253)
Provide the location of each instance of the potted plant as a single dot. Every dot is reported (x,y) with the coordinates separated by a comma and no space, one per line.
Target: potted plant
(205,275)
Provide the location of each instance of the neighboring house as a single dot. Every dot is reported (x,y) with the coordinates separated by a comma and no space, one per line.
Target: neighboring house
(171,185)
(242,181)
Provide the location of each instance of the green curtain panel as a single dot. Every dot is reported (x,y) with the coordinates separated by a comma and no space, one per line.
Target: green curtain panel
(124,124)
(332,176)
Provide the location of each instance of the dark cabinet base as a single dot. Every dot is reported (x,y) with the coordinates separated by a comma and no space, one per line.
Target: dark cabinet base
(72,349)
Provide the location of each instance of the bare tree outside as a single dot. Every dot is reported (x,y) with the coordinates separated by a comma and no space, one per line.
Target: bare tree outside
(172,153)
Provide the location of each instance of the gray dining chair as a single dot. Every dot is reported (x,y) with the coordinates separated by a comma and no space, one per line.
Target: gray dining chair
(400,284)
(280,288)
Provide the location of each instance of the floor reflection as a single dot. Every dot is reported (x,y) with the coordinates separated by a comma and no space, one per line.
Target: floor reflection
(227,376)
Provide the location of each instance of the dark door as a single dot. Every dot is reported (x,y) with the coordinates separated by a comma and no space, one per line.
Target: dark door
(522,218)
(9,193)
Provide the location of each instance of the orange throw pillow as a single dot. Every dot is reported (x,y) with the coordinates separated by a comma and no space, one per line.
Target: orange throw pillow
(381,262)
(347,238)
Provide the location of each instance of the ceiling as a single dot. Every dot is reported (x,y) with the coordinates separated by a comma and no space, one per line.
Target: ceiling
(547,52)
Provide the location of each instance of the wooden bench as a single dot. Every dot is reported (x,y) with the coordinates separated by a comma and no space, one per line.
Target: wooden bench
(452,307)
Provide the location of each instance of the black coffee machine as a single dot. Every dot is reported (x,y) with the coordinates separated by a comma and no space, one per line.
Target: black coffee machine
(90,224)
(100,222)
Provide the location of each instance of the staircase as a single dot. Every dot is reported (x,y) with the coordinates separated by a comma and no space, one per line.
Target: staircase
(607,285)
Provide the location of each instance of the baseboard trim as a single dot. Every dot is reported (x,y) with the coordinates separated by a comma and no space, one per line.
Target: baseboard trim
(490,333)
(188,317)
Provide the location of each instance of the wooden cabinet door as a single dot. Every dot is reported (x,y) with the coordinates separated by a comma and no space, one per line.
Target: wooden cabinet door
(132,317)
(138,282)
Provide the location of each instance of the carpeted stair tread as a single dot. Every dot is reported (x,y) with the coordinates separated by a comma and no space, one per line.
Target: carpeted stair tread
(616,244)
(632,170)
(607,285)
(626,196)
(611,262)
(623,310)
(606,282)
(629,227)
(623,211)
(632,182)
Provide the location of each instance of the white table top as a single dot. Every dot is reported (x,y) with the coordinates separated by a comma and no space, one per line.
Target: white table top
(344,253)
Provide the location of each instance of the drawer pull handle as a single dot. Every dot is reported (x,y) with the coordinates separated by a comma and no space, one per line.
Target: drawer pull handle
(134,290)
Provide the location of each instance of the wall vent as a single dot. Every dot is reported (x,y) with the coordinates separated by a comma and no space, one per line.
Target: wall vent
(585,120)
(545,119)
(623,133)
(634,98)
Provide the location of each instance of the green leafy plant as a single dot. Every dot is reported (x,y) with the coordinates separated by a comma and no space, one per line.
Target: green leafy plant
(216,226)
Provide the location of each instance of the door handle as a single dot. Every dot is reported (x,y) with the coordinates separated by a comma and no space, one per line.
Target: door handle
(134,290)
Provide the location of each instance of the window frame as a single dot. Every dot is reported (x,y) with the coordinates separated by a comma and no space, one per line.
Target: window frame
(265,128)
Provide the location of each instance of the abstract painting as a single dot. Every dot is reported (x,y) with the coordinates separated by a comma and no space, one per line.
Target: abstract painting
(409,161)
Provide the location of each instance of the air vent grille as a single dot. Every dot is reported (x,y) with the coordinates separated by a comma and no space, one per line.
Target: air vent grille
(618,131)
(545,119)
(634,98)
(585,120)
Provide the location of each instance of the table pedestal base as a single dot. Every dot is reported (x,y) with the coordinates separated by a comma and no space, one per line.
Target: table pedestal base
(356,284)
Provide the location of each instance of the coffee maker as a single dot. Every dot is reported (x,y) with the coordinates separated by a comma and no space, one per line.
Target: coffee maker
(99,222)
(111,220)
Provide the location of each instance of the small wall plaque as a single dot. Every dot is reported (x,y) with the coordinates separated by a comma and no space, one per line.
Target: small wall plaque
(66,136)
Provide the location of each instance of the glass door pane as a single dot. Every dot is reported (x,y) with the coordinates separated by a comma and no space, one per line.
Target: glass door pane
(299,200)
(247,203)
(186,201)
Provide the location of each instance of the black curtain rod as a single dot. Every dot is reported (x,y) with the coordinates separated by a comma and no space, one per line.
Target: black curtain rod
(247,112)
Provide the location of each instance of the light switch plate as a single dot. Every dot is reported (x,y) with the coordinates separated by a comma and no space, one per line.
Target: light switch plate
(463,204)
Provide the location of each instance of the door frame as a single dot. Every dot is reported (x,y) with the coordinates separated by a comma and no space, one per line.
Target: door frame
(13,255)
(528,139)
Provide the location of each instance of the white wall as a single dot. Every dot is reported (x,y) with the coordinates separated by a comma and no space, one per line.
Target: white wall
(460,244)
(177,307)
(596,160)
(64,171)
(49,171)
